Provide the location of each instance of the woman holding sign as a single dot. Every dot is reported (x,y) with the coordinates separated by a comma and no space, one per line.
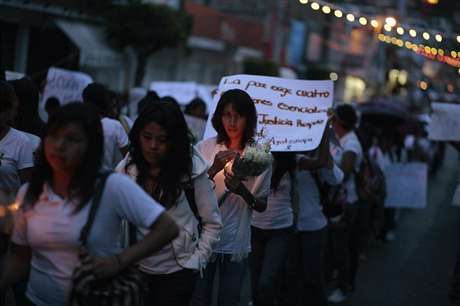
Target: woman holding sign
(235,120)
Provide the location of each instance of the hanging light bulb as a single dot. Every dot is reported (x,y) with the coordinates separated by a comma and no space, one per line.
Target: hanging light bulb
(391,21)
(363,20)
(374,23)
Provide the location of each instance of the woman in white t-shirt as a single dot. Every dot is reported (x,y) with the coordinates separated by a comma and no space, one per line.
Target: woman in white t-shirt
(55,206)
(342,241)
(272,230)
(235,120)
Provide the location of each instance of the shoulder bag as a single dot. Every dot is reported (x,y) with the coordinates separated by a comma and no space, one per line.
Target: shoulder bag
(126,288)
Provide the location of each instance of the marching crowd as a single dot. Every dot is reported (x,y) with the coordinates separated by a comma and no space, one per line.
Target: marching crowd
(172,209)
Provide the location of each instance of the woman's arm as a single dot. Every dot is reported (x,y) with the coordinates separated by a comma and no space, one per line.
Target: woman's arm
(162,231)
(321,159)
(220,160)
(348,162)
(17,266)
(236,186)
(209,212)
(25,174)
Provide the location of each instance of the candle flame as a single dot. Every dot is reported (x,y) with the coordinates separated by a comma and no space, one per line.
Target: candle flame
(12,208)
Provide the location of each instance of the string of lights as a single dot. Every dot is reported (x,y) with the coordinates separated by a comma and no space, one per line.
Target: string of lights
(391,25)
(426,51)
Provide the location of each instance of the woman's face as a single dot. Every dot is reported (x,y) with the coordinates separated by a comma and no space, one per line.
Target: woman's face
(234,123)
(154,144)
(66,147)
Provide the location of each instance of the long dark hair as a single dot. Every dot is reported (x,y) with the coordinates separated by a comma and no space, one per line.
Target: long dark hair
(82,184)
(244,105)
(282,162)
(178,164)
(6,97)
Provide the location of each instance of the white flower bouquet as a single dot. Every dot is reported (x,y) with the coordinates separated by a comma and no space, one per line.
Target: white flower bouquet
(255,160)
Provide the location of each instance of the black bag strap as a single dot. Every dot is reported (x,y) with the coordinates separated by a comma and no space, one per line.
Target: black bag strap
(318,183)
(93,209)
(189,190)
(322,187)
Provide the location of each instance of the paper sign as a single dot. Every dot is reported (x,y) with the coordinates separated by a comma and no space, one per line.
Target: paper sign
(13,75)
(66,85)
(444,123)
(406,185)
(292,114)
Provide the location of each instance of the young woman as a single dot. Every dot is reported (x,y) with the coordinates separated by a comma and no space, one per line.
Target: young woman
(343,241)
(163,161)
(235,121)
(55,206)
(16,162)
(272,230)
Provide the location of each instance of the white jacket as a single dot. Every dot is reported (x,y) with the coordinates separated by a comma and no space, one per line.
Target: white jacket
(191,250)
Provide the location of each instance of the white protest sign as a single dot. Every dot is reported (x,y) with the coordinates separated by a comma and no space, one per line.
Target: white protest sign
(291,113)
(13,75)
(406,185)
(183,92)
(444,123)
(66,85)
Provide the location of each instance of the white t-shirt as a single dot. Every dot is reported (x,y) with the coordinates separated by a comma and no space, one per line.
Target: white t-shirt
(349,143)
(16,153)
(34,140)
(311,217)
(52,229)
(115,138)
(279,212)
(232,209)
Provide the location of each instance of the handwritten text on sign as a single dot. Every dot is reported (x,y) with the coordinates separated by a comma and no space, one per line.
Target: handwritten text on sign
(444,123)
(291,113)
(65,85)
(406,185)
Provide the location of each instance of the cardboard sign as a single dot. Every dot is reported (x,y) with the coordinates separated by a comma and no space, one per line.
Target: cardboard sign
(292,114)
(66,85)
(444,123)
(406,185)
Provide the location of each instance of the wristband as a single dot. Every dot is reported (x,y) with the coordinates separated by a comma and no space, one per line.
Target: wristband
(253,203)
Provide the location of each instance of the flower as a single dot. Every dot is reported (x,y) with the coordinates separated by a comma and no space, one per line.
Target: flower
(256,159)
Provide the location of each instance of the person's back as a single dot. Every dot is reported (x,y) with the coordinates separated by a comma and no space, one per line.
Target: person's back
(115,136)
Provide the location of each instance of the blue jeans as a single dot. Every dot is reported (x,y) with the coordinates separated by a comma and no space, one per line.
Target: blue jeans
(305,265)
(266,260)
(342,248)
(231,278)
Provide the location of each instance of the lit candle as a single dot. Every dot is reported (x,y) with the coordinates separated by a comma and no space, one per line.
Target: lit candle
(228,167)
